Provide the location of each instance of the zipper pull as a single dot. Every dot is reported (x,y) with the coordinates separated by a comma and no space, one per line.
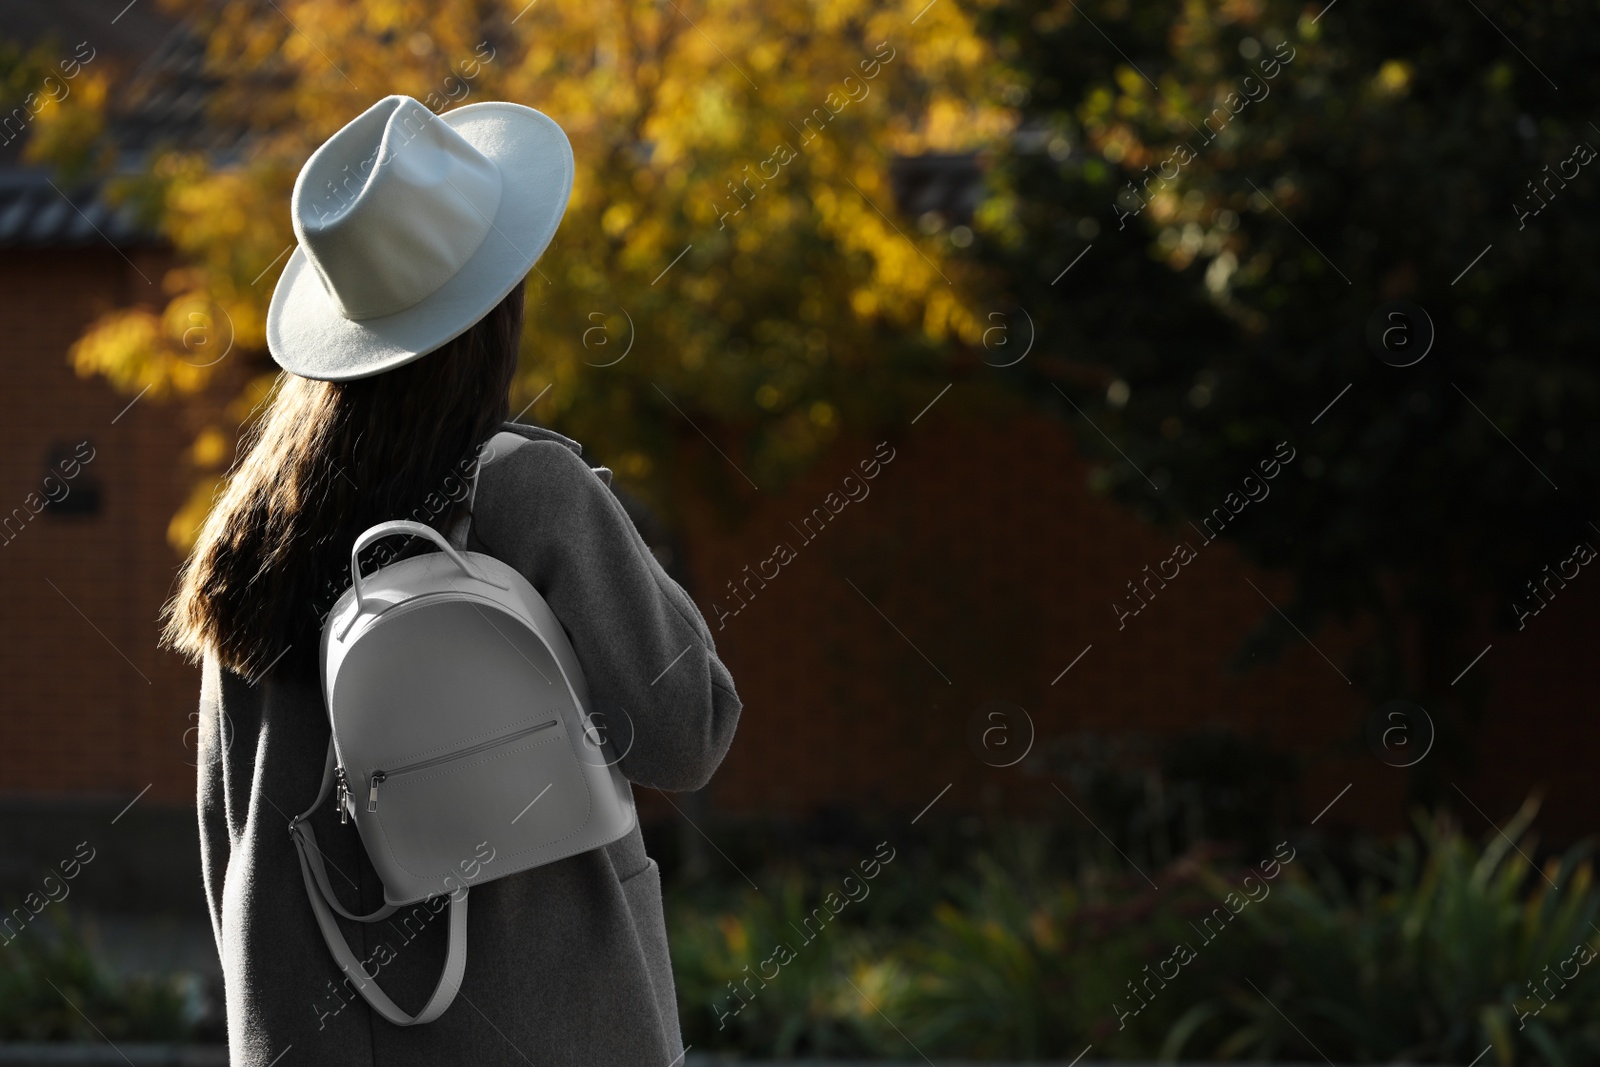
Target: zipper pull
(372,793)
(343,796)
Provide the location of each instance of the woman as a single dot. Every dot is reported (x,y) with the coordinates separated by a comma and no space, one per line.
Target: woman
(398,318)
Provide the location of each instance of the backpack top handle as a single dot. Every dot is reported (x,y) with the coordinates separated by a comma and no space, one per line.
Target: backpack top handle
(411,529)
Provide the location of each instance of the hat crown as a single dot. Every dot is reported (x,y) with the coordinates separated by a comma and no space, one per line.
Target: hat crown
(391,207)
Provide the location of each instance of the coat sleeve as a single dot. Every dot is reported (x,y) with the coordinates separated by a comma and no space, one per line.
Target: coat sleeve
(645,649)
(211,794)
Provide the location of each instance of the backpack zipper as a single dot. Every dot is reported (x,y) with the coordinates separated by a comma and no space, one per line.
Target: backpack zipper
(379,776)
(344,797)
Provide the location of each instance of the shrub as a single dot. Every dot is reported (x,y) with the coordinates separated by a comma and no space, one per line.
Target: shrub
(52,988)
(806,1008)
(1431,949)
(1442,951)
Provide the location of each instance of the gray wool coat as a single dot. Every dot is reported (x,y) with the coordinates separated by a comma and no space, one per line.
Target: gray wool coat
(567,964)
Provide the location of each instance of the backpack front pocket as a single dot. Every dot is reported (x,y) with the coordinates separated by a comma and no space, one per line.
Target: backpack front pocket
(518,792)
(378,777)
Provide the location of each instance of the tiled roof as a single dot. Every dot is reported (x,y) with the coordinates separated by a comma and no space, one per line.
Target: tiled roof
(162,101)
(35,213)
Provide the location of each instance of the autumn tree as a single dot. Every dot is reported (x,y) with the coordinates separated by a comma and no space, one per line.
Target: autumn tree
(730,288)
(1255,190)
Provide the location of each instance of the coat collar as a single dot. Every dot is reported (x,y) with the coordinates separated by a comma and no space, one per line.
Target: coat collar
(539,433)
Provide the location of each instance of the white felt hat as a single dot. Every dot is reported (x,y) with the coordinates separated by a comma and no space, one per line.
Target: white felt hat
(412,227)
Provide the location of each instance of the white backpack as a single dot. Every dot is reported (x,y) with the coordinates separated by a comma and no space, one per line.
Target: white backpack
(460,722)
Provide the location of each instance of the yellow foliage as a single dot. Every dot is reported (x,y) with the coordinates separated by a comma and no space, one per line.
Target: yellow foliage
(134,350)
(732,165)
(1394,77)
(184,527)
(735,933)
(66,130)
(210,448)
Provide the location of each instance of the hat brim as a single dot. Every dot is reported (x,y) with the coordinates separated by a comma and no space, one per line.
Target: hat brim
(307,335)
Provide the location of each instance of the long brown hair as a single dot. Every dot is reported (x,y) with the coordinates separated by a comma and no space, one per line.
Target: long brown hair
(326,461)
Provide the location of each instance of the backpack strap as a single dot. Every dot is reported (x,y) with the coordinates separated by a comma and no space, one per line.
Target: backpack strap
(458,533)
(510,432)
(324,904)
(463,526)
(311,865)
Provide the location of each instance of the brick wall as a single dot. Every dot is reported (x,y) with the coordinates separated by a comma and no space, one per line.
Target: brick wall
(982,546)
(89,704)
(979,544)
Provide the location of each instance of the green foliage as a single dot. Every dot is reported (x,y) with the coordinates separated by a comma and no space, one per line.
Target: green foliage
(21,72)
(992,972)
(52,988)
(1227,311)
(34,83)
(1421,950)
(1464,950)
(807,1008)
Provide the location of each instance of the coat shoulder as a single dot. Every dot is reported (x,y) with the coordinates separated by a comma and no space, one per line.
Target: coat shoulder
(534,458)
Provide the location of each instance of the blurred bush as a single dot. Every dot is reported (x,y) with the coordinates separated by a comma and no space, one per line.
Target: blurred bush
(1429,949)
(994,973)
(1467,947)
(807,1007)
(52,984)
